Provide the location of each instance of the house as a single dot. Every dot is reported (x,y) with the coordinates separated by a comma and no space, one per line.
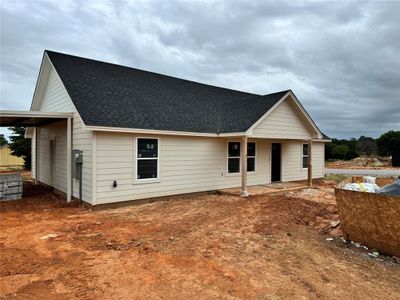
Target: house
(9,161)
(144,134)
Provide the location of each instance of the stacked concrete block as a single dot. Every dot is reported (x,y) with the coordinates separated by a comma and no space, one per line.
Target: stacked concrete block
(11,186)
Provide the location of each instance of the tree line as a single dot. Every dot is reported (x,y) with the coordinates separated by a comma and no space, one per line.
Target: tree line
(385,145)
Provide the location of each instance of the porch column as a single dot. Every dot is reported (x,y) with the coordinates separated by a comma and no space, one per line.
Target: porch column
(69,159)
(309,166)
(243,163)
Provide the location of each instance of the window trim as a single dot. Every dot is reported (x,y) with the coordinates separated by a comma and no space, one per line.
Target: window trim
(304,155)
(240,165)
(146,180)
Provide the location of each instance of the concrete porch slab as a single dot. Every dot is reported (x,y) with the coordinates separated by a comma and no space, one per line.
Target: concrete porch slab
(271,188)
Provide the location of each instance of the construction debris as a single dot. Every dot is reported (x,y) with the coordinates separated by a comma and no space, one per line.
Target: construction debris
(390,189)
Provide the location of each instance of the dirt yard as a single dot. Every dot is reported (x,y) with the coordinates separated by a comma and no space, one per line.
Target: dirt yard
(199,247)
(377,163)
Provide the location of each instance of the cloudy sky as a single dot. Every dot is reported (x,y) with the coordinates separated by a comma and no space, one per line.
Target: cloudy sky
(342,59)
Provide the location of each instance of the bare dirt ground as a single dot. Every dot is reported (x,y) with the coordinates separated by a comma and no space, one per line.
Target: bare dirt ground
(201,247)
(373,163)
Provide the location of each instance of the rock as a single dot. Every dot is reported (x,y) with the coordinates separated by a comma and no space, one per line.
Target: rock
(374,254)
(49,236)
(329,239)
(335,224)
(171,238)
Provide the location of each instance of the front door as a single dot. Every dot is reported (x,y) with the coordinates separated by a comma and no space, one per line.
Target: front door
(276,162)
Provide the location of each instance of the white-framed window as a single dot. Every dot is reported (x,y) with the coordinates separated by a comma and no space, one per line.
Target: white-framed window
(147,158)
(304,160)
(234,157)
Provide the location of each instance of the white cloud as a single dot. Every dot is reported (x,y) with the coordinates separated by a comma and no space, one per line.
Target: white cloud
(342,59)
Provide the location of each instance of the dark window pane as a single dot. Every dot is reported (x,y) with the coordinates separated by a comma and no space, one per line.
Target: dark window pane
(233,165)
(146,168)
(233,149)
(251,149)
(305,149)
(251,164)
(305,161)
(147,148)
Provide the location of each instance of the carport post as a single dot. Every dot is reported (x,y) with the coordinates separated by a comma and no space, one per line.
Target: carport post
(69,159)
(309,166)
(243,163)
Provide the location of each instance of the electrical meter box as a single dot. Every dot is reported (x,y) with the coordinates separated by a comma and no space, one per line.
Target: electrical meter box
(77,158)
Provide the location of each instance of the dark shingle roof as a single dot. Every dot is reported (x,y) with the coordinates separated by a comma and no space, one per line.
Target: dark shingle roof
(116,96)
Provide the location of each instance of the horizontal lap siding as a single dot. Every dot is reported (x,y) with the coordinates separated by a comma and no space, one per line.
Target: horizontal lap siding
(56,99)
(292,161)
(283,123)
(82,140)
(187,164)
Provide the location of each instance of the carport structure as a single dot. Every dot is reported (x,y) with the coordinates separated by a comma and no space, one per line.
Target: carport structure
(33,120)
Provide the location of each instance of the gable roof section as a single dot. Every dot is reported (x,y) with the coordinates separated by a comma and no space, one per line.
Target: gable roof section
(110,95)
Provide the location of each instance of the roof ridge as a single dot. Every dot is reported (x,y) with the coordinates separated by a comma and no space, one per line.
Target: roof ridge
(152,72)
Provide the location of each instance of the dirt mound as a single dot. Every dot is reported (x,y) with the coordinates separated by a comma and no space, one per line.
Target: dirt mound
(361,163)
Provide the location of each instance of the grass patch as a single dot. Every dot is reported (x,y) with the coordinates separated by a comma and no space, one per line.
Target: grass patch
(336,177)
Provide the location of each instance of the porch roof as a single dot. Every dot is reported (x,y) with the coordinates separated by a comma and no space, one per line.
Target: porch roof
(10,118)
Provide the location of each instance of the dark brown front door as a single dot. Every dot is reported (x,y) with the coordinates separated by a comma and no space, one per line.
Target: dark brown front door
(276,162)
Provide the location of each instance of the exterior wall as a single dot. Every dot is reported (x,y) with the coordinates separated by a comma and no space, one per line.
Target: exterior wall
(187,164)
(54,98)
(284,122)
(9,161)
(292,161)
(56,175)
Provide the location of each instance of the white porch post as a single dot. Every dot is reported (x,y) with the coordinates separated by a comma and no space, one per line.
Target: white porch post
(69,159)
(36,181)
(309,166)
(243,163)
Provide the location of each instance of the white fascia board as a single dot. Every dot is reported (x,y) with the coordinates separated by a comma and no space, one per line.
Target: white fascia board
(33,103)
(35,114)
(147,131)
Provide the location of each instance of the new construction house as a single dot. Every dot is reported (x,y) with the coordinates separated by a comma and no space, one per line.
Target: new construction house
(137,134)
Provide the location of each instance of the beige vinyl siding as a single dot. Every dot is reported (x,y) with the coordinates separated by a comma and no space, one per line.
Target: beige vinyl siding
(56,99)
(292,168)
(187,164)
(57,176)
(284,122)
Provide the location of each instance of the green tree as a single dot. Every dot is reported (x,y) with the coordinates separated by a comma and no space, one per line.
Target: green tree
(366,146)
(20,146)
(3,140)
(388,143)
(340,151)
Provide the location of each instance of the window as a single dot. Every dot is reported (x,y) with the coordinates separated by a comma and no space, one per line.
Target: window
(234,157)
(251,157)
(147,159)
(305,156)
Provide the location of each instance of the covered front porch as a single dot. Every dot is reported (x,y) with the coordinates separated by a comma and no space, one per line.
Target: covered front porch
(290,163)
